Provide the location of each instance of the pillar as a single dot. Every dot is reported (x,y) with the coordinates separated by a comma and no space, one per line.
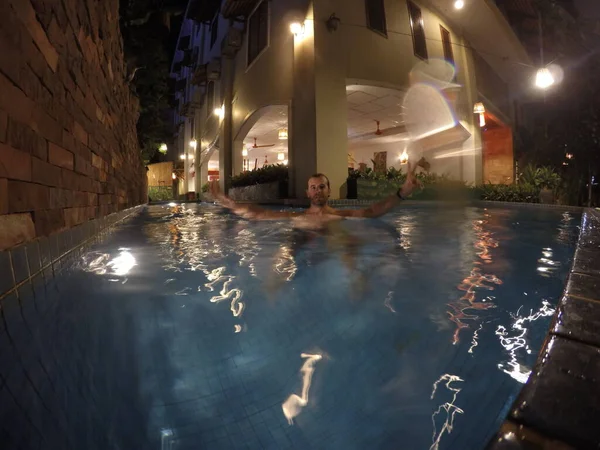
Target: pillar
(318,139)
(226,132)
(472,161)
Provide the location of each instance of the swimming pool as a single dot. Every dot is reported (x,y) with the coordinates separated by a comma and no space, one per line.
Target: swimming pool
(188,328)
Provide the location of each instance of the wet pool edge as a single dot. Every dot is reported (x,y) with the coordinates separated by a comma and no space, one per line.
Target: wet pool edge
(558,406)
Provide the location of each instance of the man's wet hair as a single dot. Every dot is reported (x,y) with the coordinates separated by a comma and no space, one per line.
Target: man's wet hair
(319,175)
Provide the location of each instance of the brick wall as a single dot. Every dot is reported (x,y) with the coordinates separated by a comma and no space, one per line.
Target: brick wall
(68,143)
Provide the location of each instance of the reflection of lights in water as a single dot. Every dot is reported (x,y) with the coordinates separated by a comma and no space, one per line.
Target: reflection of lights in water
(547,265)
(449,407)
(166,439)
(474,342)
(226,293)
(405,226)
(285,264)
(172,205)
(517,341)
(387,302)
(120,265)
(294,404)
(476,280)
(237,328)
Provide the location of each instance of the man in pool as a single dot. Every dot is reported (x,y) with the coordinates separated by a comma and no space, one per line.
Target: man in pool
(319,213)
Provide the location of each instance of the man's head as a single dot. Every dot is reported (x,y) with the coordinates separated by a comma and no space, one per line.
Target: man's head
(318,189)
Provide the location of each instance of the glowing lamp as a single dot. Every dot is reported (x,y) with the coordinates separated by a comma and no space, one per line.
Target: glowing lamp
(459,4)
(569,155)
(163,149)
(297,29)
(193,144)
(280,156)
(543,78)
(404,157)
(182,156)
(174,176)
(480,109)
(220,112)
(245,152)
(283,134)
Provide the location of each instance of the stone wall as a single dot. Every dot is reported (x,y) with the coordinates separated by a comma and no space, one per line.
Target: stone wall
(68,142)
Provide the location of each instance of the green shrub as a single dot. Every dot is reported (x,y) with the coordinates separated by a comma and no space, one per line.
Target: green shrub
(205,188)
(524,193)
(266,174)
(540,177)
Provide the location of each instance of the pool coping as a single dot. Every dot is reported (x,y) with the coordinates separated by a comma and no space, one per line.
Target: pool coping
(558,406)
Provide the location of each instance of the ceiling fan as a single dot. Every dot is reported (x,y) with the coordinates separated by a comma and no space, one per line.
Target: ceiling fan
(380,133)
(261,146)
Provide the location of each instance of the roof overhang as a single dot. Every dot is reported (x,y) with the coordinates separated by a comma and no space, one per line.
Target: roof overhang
(238,8)
(489,34)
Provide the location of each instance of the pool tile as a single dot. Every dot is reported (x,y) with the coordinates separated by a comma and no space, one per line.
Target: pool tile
(19,263)
(512,436)
(6,276)
(582,285)
(561,398)
(33,257)
(45,253)
(586,262)
(578,319)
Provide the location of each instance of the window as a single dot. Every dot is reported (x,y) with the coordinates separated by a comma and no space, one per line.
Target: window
(447,44)
(376,16)
(418,31)
(258,31)
(214,30)
(210,97)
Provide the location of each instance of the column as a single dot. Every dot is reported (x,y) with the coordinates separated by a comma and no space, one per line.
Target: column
(226,132)
(318,114)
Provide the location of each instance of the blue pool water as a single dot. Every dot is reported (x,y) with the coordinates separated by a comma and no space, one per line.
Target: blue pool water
(188,328)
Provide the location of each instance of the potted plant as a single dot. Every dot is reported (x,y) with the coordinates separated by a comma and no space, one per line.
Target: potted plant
(545,179)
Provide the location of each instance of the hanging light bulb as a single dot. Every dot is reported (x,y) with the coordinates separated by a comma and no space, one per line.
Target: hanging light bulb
(404,157)
(283,134)
(544,78)
(280,156)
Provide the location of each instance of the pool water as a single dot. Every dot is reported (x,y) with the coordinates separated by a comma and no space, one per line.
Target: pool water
(198,330)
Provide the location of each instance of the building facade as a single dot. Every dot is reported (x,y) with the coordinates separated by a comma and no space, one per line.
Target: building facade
(327,85)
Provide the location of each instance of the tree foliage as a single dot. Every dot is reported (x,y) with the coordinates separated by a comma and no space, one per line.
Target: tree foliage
(145,29)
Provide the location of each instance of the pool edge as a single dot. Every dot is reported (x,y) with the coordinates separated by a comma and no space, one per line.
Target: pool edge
(557,407)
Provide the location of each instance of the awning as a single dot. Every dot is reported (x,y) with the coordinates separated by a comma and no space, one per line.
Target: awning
(238,8)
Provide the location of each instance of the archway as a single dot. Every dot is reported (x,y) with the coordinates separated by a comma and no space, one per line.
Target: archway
(262,139)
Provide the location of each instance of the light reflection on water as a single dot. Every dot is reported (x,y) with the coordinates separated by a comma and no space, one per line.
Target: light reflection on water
(476,280)
(359,283)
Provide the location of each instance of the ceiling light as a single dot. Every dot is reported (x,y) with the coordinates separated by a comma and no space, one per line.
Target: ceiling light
(543,78)
(283,134)
(459,4)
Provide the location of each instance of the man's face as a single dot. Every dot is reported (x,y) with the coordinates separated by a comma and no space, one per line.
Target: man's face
(318,191)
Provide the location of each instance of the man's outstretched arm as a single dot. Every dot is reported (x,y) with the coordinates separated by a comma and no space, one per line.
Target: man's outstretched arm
(251,212)
(383,207)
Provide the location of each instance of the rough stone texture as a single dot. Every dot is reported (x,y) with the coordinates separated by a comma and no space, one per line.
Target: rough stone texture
(67,116)
(16,229)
